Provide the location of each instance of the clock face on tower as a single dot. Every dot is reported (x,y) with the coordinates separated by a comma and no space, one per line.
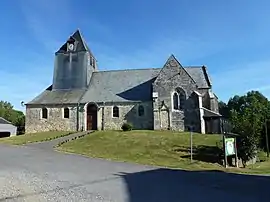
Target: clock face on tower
(70,47)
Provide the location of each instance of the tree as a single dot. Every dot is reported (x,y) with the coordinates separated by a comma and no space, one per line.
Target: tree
(223,109)
(16,117)
(247,114)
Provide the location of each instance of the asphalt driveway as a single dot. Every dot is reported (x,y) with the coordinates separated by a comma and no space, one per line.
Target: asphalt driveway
(33,174)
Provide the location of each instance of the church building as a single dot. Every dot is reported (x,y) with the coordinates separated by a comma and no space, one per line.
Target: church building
(172,97)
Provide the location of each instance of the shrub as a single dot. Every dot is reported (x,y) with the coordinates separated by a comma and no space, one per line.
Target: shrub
(126,127)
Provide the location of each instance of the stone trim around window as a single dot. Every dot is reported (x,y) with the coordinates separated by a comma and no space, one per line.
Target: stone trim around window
(44,113)
(175,97)
(65,113)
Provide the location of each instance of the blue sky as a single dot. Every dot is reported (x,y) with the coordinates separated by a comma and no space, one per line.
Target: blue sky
(230,37)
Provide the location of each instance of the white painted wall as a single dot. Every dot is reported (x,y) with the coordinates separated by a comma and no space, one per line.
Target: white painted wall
(8,128)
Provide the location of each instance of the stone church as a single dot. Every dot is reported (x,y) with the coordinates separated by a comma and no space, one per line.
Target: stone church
(81,97)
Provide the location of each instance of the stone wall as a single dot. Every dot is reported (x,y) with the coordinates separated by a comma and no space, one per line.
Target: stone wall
(174,76)
(54,122)
(127,113)
(214,104)
(210,101)
(205,98)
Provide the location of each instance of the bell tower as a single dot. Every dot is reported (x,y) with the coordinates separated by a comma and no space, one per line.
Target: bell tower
(74,64)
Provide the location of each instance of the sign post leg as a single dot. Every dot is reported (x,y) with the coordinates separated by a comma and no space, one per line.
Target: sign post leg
(225,156)
(236,156)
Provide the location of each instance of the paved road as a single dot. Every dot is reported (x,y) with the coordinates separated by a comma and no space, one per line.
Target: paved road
(33,174)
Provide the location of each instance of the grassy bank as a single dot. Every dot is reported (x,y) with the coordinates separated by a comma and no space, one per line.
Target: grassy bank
(160,148)
(34,137)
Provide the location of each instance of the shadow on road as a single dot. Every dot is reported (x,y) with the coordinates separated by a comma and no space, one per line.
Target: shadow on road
(165,185)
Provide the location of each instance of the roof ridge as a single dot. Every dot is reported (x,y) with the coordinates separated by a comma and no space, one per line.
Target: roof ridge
(78,32)
(206,75)
(116,70)
(193,66)
(153,68)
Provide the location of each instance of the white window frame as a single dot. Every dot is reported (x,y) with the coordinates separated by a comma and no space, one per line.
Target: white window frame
(63,112)
(41,113)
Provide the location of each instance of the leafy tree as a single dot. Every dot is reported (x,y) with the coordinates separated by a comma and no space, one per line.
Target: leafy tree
(223,109)
(16,117)
(247,114)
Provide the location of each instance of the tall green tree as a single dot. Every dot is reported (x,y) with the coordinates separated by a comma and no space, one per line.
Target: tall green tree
(223,109)
(247,114)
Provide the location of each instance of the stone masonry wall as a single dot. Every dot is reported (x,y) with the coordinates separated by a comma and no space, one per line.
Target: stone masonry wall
(209,102)
(174,76)
(127,113)
(205,98)
(55,121)
(214,104)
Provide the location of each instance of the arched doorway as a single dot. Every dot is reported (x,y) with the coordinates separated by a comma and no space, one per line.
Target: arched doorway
(91,118)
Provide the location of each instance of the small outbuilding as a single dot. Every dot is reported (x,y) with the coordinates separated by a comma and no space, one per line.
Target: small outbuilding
(7,129)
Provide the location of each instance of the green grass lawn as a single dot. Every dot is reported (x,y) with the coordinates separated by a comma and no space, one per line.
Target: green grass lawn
(160,148)
(262,167)
(35,137)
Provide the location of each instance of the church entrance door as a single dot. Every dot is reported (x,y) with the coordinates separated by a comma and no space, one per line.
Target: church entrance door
(92,117)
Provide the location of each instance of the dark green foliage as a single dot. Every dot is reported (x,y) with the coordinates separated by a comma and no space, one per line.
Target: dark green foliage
(16,117)
(247,114)
(223,109)
(126,127)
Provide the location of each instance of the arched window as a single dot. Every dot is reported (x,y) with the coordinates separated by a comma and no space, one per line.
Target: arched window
(182,100)
(175,101)
(179,99)
(66,113)
(44,113)
(141,110)
(115,111)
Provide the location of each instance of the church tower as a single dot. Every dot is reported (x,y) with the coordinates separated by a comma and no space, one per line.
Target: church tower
(74,64)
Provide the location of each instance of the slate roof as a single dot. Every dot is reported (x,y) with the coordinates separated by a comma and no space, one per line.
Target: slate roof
(121,85)
(210,113)
(199,74)
(50,96)
(115,86)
